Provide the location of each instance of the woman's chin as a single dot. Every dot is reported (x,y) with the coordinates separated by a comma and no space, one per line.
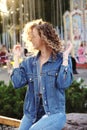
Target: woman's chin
(36,48)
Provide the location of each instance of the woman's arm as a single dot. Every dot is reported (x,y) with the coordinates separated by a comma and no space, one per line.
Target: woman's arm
(18,76)
(66,53)
(17,52)
(65,76)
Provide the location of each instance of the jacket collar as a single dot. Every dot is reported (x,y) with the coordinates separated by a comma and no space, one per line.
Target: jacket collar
(51,59)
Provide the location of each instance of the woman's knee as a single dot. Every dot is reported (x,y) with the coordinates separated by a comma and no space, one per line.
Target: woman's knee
(32,128)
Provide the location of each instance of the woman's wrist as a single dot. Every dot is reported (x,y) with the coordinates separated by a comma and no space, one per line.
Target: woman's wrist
(16,61)
(65,62)
(16,57)
(65,59)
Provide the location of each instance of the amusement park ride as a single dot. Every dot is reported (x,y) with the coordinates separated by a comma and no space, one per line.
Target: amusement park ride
(75,27)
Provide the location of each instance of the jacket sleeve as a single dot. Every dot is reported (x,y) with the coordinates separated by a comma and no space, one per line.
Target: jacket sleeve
(18,76)
(65,76)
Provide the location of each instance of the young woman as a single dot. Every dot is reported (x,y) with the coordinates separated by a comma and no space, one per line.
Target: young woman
(47,74)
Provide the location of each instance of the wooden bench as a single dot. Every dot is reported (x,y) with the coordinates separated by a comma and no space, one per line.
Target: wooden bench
(75,121)
(9,121)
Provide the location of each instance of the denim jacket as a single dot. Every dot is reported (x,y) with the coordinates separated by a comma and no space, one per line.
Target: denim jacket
(55,79)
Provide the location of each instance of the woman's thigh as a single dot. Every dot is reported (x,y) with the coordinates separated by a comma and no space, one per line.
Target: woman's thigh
(55,122)
(25,123)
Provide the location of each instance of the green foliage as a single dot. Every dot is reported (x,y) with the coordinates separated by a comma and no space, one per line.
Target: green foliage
(76,97)
(11,100)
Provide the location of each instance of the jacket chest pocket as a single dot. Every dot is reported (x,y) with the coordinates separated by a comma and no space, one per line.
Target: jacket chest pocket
(32,79)
(52,77)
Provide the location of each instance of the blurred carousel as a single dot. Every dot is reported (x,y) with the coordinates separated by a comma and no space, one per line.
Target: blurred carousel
(75,29)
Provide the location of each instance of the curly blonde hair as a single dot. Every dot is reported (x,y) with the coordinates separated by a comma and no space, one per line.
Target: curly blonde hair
(27,31)
(47,33)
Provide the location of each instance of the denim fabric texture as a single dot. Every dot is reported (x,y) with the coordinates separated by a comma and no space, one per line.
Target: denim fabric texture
(55,78)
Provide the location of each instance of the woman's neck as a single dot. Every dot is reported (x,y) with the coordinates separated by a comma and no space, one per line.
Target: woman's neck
(44,56)
(45,53)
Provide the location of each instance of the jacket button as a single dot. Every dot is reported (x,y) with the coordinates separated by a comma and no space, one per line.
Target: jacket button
(30,79)
(66,69)
(45,102)
(56,74)
(48,113)
(43,88)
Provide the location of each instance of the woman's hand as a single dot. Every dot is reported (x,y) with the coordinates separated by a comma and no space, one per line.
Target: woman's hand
(17,52)
(66,53)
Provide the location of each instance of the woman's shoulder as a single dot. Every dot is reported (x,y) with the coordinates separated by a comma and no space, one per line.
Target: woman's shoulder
(28,62)
(33,57)
(60,54)
(29,59)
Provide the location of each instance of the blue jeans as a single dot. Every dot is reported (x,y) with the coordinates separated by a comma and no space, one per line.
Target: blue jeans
(47,122)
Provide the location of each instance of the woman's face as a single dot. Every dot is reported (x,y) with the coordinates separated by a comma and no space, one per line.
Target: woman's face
(36,39)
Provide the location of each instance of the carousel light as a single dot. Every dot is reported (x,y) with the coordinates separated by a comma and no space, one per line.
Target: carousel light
(12,12)
(12,1)
(22,6)
(17,9)
(27,14)
(3,7)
